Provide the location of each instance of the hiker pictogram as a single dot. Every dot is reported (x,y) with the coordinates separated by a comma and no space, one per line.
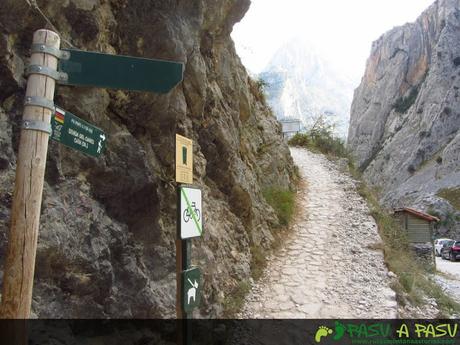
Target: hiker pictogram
(191,293)
(191,288)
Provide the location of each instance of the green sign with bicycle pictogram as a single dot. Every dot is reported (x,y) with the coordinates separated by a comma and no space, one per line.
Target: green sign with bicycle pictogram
(190,212)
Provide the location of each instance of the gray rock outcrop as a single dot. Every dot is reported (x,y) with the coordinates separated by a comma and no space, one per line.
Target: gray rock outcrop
(405,116)
(107,235)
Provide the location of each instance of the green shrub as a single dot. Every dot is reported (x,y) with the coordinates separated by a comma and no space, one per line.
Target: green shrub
(447,220)
(300,139)
(321,138)
(452,195)
(403,104)
(261,85)
(235,300)
(258,89)
(282,201)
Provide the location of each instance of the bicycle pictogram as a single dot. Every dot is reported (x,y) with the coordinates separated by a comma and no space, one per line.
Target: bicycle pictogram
(187,216)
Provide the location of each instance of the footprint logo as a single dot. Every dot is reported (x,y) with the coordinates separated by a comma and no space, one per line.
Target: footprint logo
(322,331)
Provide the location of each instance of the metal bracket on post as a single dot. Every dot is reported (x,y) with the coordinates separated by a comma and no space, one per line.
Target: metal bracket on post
(40,102)
(41,48)
(37,126)
(43,70)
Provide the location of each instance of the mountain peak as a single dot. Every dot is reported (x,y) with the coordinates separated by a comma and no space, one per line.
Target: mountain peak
(303,84)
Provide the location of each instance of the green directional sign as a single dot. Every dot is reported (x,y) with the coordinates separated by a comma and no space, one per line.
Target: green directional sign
(76,133)
(120,72)
(191,289)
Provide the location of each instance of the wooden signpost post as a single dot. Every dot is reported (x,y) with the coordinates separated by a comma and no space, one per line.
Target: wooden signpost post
(48,65)
(18,274)
(189,225)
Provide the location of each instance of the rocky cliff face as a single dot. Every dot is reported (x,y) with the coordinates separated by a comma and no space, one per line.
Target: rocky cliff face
(405,116)
(106,243)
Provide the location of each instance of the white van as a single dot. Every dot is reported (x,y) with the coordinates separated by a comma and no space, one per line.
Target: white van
(438,245)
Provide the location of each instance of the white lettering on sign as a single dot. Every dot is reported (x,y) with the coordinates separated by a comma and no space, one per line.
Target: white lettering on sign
(89,140)
(80,142)
(77,123)
(80,138)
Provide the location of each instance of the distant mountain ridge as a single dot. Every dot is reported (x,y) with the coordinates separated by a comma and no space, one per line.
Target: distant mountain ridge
(303,84)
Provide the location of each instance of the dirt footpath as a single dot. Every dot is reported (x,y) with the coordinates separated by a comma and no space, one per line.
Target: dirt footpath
(450,281)
(328,267)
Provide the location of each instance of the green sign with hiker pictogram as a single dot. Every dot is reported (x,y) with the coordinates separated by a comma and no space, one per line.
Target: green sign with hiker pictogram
(191,288)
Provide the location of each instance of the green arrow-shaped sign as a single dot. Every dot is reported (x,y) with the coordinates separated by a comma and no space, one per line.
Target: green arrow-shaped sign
(120,72)
(76,133)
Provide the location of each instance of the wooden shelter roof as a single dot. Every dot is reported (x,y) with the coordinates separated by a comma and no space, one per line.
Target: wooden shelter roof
(418,214)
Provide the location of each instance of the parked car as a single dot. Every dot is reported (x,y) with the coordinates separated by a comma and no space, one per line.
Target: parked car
(438,245)
(451,250)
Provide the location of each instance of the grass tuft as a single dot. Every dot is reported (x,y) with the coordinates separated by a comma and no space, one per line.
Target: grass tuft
(235,300)
(282,201)
(258,262)
(452,195)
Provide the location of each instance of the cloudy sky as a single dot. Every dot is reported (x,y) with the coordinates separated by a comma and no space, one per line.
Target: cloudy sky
(342,30)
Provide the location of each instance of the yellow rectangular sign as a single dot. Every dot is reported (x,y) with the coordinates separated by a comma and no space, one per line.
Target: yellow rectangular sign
(184,159)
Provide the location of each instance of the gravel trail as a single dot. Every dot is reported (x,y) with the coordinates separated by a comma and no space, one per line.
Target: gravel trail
(450,283)
(329,266)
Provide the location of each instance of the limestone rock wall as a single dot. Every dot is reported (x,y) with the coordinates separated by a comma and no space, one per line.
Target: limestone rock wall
(106,244)
(405,116)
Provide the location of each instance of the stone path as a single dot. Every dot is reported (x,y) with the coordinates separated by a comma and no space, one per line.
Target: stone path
(448,278)
(329,266)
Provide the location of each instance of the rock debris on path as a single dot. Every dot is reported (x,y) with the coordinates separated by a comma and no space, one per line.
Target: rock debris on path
(327,268)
